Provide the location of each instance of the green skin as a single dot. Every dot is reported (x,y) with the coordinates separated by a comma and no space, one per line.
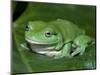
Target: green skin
(57,39)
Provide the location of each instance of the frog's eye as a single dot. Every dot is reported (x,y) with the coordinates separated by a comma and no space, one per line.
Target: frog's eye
(48,34)
(27,28)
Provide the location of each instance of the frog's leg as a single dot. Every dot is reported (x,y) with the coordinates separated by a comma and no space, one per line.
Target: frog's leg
(79,50)
(24,45)
(81,42)
(64,52)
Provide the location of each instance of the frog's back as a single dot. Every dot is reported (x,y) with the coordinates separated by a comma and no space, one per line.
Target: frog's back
(68,30)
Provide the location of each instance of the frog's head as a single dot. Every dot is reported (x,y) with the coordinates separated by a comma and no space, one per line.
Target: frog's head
(38,32)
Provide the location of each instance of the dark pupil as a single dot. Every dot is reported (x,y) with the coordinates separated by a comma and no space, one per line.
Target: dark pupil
(27,28)
(48,34)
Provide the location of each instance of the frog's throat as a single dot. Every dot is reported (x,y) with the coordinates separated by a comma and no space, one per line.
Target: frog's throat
(36,42)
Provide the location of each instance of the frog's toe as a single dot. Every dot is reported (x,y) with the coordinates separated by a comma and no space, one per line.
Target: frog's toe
(62,56)
(70,56)
(23,45)
(58,57)
(82,52)
(75,52)
(78,51)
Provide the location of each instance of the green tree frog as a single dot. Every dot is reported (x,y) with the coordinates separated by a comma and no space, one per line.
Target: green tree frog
(57,39)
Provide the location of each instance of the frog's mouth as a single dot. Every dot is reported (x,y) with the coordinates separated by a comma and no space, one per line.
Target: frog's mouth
(39,47)
(35,42)
(38,42)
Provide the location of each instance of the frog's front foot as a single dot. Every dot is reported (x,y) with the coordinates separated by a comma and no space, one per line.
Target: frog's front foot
(79,50)
(81,43)
(64,52)
(55,54)
(61,56)
(24,45)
